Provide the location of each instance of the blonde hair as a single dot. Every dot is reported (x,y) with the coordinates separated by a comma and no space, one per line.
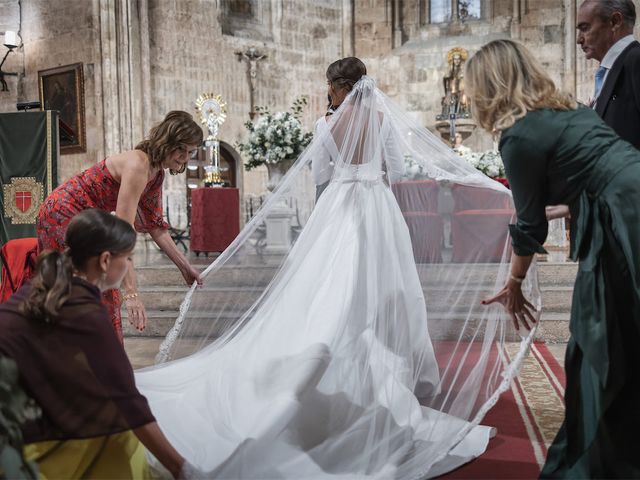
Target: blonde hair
(504,82)
(176,130)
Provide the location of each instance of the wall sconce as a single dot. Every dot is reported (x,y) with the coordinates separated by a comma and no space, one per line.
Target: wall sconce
(11,42)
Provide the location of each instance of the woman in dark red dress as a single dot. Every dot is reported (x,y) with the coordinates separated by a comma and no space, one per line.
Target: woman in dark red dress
(129,184)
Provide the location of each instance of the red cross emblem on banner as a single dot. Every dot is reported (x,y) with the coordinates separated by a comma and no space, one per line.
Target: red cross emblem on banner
(23,201)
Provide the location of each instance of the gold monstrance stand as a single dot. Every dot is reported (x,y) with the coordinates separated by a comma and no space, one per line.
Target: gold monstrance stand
(213,113)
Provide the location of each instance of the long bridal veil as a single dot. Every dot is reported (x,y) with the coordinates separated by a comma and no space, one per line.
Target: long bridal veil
(345,337)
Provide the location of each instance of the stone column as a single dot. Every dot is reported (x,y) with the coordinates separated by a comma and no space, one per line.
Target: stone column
(126,84)
(516,19)
(109,80)
(569,76)
(348,28)
(145,68)
(423,13)
(397,23)
(454,11)
(124,38)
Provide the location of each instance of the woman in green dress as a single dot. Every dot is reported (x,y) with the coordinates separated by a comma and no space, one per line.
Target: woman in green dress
(558,152)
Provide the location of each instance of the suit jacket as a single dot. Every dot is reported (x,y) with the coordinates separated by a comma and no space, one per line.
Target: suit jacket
(619,101)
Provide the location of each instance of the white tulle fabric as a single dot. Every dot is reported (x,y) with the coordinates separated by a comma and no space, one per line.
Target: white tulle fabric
(342,357)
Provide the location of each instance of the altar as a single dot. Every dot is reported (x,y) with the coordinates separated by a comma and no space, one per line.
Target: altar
(215,218)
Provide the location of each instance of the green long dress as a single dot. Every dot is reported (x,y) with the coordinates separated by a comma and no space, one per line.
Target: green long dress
(571,157)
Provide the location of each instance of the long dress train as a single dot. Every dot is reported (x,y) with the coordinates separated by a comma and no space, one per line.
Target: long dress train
(329,369)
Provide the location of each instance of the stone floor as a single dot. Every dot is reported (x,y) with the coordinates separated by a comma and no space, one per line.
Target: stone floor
(142,350)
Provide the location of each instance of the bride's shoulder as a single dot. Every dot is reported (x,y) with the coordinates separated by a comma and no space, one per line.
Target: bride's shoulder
(322,121)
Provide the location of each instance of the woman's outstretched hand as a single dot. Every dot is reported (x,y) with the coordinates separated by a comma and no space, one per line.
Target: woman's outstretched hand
(191,275)
(519,309)
(136,312)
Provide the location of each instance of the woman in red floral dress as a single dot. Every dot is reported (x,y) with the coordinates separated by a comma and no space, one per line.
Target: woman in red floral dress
(129,184)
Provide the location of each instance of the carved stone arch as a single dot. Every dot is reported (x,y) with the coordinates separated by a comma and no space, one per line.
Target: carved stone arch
(233,160)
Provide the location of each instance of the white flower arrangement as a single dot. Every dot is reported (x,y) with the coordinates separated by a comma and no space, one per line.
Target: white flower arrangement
(275,137)
(413,169)
(489,162)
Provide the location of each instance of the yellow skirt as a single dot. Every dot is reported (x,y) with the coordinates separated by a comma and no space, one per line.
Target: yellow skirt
(118,456)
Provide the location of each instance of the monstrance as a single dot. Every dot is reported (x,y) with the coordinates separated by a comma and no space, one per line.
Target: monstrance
(213,112)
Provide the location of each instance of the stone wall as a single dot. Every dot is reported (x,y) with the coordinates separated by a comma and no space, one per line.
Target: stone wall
(190,55)
(143,58)
(56,33)
(10,20)
(408,55)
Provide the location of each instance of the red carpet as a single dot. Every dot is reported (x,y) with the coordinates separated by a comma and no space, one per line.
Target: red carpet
(527,417)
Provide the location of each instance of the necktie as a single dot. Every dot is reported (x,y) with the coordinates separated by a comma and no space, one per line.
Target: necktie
(600,73)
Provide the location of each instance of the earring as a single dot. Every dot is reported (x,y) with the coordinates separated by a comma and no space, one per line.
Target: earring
(103,280)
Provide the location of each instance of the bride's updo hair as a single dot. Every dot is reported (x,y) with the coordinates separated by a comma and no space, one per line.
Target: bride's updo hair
(344,73)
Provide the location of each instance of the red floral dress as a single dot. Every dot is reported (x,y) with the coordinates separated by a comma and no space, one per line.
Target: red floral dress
(96,188)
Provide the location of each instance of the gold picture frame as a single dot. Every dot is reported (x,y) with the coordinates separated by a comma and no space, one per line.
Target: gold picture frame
(62,89)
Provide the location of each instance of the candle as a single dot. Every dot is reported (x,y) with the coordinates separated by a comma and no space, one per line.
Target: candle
(10,39)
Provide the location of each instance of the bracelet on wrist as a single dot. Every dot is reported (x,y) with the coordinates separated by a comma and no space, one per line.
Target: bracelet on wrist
(130,295)
(516,279)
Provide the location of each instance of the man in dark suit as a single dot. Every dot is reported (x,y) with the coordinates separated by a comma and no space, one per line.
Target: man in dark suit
(605,33)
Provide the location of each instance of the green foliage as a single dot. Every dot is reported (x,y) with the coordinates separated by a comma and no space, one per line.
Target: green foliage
(15,408)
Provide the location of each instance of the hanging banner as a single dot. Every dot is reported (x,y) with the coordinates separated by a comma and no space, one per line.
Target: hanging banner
(29,151)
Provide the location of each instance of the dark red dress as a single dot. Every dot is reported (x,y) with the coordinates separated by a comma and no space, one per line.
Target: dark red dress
(96,188)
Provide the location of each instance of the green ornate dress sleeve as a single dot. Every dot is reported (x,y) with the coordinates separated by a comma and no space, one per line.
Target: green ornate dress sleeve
(525,166)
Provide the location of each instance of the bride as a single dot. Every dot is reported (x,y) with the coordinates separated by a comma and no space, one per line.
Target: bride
(321,362)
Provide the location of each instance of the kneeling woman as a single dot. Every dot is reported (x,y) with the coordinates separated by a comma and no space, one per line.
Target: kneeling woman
(73,365)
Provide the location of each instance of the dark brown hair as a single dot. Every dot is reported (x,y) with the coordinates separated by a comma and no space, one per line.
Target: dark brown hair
(176,130)
(346,72)
(90,233)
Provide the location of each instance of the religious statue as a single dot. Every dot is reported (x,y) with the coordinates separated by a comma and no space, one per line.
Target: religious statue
(251,56)
(455,101)
(213,113)
(458,147)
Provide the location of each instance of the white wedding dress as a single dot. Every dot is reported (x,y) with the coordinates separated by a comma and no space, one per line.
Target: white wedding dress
(327,378)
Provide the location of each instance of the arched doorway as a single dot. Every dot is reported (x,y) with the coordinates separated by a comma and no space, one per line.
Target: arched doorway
(230,166)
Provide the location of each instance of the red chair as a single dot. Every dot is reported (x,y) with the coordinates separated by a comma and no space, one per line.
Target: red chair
(479,224)
(479,198)
(18,259)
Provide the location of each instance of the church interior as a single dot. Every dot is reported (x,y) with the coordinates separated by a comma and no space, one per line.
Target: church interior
(85,80)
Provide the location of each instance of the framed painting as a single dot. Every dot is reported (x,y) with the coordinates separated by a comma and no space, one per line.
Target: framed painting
(62,89)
